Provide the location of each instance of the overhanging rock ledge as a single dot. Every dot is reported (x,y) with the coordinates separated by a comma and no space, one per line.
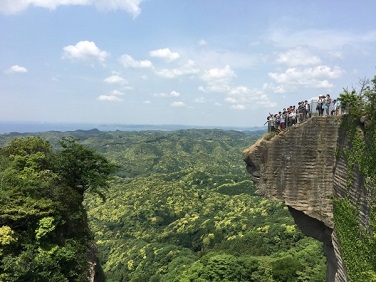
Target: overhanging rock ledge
(299,167)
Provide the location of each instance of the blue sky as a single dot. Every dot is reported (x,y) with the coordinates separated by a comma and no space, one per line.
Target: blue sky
(192,62)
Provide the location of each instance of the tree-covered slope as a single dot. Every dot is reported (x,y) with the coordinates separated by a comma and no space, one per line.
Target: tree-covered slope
(182,208)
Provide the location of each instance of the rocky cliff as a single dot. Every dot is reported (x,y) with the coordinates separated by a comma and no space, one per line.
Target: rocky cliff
(301,167)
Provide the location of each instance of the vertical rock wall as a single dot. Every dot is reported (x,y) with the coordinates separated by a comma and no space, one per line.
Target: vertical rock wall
(299,167)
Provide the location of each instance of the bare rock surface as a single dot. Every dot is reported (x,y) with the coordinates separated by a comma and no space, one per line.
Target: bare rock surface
(299,167)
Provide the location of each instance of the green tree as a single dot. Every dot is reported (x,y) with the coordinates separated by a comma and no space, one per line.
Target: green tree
(286,269)
(82,168)
(221,267)
(44,234)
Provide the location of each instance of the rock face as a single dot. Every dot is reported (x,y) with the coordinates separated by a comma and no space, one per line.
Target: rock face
(300,168)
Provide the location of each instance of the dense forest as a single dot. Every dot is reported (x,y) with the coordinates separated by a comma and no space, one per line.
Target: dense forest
(178,207)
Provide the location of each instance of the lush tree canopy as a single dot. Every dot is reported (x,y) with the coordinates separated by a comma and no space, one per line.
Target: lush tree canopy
(44,234)
(181,207)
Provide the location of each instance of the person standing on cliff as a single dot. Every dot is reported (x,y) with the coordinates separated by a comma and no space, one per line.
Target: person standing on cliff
(322,105)
(338,107)
(301,111)
(292,118)
(333,107)
(282,121)
(307,108)
(328,102)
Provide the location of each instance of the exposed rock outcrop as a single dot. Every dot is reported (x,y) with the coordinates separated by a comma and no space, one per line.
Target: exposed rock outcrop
(300,168)
(95,271)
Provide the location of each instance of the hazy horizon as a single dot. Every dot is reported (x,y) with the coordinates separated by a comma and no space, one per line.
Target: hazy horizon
(35,127)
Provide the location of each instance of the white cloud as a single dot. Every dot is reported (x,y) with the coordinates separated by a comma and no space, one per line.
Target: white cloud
(16,6)
(298,57)
(128,62)
(174,94)
(165,54)
(177,104)
(238,107)
(311,76)
(275,88)
(84,51)
(231,100)
(115,79)
(242,96)
(17,69)
(114,96)
(171,94)
(217,79)
(130,6)
(235,103)
(324,84)
(161,95)
(187,69)
(217,74)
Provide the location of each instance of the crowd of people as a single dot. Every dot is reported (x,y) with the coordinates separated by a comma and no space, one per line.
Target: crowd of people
(324,106)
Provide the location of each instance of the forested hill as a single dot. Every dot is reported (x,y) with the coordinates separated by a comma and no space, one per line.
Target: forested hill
(182,208)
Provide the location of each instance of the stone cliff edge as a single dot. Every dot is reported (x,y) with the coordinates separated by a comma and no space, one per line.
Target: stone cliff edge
(299,167)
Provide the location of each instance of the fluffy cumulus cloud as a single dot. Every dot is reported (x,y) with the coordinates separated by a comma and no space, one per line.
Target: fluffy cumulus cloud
(177,104)
(130,6)
(217,74)
(165,54)
(115,79)
(84,51)
(230,100)
(15,6)
(217,79)
(308,76)
(188,68)
(17,69)
(171,94)
(298,57)
(275,88)
(114,96)
(128,62)
(242,97)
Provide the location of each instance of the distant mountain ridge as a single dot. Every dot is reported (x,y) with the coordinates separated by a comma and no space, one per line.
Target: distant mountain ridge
(25,127)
